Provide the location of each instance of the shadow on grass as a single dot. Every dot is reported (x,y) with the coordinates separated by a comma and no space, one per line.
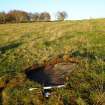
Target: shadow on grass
(84,54)
(9,47)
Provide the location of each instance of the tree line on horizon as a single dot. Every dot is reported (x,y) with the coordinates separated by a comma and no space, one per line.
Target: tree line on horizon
(19,16)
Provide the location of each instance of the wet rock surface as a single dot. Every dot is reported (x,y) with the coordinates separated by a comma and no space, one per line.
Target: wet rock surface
(49,75)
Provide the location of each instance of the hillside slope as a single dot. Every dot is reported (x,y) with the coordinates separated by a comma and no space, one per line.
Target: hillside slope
(25,44)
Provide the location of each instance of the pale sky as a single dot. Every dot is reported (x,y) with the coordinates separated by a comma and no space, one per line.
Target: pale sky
(76,9)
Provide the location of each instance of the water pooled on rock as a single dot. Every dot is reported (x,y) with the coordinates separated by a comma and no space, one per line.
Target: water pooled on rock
(50,75)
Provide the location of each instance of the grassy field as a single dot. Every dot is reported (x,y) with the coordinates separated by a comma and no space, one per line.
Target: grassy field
(25,44)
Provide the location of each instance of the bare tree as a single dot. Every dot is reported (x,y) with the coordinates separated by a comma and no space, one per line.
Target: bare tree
(10,18)
(61,15)
(36,16)
(17,16)
(45,16)
(2,17)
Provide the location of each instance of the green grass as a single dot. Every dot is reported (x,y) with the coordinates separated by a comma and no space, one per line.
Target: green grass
(24,44)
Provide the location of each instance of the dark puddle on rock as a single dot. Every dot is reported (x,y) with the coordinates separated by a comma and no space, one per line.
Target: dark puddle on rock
(50,75)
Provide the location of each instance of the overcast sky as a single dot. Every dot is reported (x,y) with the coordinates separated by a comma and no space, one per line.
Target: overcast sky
(76,9)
